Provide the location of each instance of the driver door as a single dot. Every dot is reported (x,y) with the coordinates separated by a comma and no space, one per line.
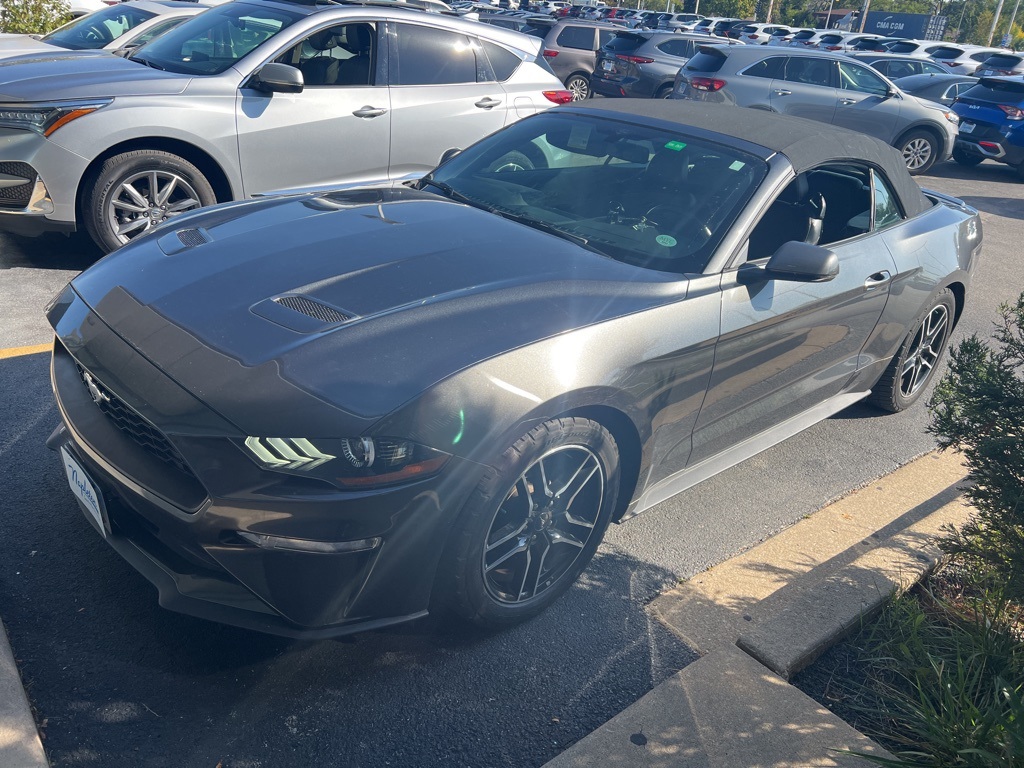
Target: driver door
(337,130)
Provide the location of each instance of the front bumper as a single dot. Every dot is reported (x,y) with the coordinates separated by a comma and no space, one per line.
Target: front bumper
(178,522)
(52,173)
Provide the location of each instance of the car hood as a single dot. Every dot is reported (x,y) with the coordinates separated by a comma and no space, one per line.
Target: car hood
(363,298)
(72,75)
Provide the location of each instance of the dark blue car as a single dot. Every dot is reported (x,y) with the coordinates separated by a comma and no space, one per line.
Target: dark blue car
(992,123)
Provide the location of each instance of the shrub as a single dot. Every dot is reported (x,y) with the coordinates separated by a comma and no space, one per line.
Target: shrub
(32,16)
(978,409)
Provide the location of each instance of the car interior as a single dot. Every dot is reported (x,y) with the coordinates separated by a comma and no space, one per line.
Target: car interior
(339,55)
(821,206)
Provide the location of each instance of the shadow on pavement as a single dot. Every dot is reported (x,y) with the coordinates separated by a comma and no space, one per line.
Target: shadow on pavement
(48,252)
(1000,206)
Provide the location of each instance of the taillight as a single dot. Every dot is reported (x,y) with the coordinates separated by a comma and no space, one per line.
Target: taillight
(952,63)
(549,54)
(989,145)
(1004,71)
(1012,112)
(633,59)
(706,84)
(558,97)
(833,47)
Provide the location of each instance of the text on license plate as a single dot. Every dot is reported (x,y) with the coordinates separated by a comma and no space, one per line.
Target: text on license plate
(83,488)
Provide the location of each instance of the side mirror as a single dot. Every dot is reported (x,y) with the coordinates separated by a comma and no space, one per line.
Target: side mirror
(278,78)
(449,154)
(801,263)
(126,51)
(892,93)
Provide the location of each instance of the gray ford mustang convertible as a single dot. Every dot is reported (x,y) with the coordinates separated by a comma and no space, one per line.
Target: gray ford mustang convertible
(323,413)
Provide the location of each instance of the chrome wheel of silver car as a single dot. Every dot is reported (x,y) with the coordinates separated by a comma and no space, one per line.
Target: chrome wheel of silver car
(920,151)
(133,192)
(924,351)
(145,199)
(543,524)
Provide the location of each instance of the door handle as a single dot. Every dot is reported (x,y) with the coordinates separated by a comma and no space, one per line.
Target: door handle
(488,103)
(369,111)
(783,92)
(877,279)
(847,101)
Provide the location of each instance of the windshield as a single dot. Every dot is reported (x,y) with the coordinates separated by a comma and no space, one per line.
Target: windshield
(97,29)
(211,42)
(640,195)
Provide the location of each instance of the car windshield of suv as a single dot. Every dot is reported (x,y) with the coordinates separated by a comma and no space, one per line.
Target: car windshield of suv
(641,195)
(211,42)
(97,29)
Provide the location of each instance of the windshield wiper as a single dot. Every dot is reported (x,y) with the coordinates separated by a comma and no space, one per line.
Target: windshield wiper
(147,62)
(551,229)
(456,195)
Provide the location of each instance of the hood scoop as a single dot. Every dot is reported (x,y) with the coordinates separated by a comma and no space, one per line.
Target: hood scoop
(300,313)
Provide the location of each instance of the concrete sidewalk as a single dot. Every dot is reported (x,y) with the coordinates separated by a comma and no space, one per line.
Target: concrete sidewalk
(764,615)
(756,619)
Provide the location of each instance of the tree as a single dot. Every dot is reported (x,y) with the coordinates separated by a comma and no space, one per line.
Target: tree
(32,16)
(978,409)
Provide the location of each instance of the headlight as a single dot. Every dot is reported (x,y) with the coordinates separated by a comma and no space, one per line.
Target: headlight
(353,462)
(952,117)
(46,119)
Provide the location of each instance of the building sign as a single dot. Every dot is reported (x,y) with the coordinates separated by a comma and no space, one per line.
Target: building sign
(909,25)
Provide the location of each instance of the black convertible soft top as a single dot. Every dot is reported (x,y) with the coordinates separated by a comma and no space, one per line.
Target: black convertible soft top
(805,143)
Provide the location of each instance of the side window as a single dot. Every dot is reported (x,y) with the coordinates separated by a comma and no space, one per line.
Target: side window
(503,61)
(335,56)
(854,77)
(927,68)
(771,68)
(887,212)
(809,70)
(428,56)
(577,37)
(604,37)
(681,48)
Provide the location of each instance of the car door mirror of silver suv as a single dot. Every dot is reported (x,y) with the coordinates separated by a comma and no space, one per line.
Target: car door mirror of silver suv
(278,78)
(802,263)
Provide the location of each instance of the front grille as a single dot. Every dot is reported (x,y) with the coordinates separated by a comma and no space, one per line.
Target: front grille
(190,238)
(20,195)
(132,424)
(311,308)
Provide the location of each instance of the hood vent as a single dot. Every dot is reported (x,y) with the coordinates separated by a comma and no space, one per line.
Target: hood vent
(310,308)
(190,238)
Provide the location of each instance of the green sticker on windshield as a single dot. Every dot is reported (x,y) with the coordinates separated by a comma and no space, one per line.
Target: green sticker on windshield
(667,240)
(676,145)
(736,166)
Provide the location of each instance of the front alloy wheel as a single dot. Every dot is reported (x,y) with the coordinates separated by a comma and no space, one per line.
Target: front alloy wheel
(532,524)
(920,151)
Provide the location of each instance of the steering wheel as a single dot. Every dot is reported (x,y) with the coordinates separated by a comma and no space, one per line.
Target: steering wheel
(96,33)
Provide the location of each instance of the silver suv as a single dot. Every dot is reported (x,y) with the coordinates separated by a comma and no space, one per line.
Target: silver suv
(250,97)
(821,86)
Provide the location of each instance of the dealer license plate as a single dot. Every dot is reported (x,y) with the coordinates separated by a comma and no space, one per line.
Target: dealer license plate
(85,491)
(966,127)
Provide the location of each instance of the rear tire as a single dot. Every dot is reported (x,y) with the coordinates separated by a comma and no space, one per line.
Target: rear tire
(579,87)
(920,150)
(665,92)
(532,525)
(907,376)
(966,158)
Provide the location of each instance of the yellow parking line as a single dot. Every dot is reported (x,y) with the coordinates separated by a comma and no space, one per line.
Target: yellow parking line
(19,351)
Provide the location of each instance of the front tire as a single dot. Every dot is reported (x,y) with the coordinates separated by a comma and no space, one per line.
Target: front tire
(920,150)
(532,524)
(907,376)
(579,87)
(135,191)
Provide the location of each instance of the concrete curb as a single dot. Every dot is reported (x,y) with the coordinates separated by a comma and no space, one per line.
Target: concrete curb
(760,617)
(20,745)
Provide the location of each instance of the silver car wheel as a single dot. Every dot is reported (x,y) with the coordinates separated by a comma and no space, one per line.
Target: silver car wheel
(917,153)
(924,351)
(543,524)
(145,199)
(579,87)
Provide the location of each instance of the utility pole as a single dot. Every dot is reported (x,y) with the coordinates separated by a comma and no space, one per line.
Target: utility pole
(864,14)
(995,20)
(1013,19)
(828,19)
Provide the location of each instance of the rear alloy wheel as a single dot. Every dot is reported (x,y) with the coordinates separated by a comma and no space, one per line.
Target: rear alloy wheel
(966,158)
(533,523)
(665,92)
(135,191)
(579,87)
(920,150)
(908,374)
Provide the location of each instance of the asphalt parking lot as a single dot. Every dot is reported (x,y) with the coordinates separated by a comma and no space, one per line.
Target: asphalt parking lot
(115,679)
